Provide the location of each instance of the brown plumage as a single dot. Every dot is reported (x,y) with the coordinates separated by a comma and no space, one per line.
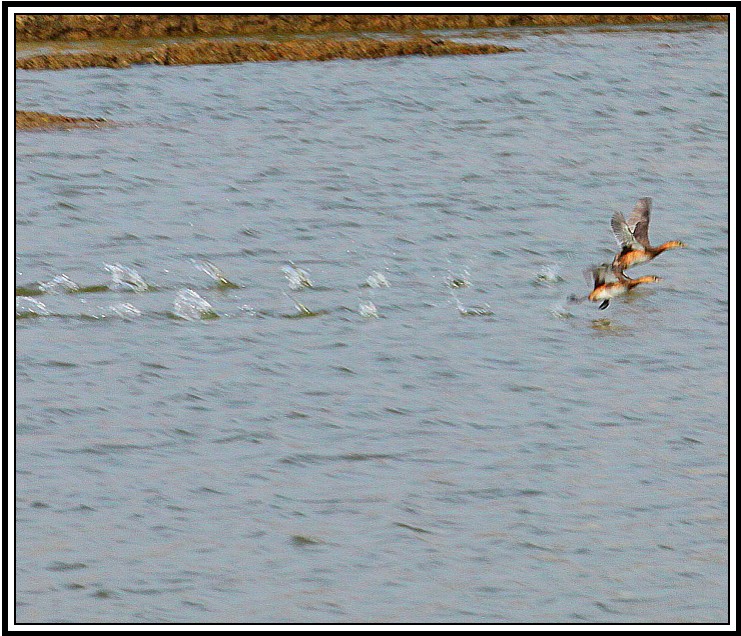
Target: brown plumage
(632,236)
(609,282)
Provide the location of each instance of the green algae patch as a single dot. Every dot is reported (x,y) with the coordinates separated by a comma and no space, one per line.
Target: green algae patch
(37,291)
(208,314)
(412,528)
(31,120)
(29,291)
(302,541)
(24,315)
(232,52)
(224,283)
(91,289)
(304,312)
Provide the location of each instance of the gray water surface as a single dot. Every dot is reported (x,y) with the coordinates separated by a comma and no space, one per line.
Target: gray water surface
(461,445)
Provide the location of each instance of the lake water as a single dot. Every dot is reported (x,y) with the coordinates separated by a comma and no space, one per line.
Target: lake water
(293,340)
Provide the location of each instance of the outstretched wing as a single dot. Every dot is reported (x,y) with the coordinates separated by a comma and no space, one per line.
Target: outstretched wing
(641,212)
(639,219)
(622,232)
(598,274)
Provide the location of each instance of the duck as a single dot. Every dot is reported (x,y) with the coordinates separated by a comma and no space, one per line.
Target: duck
(618,284)
(632,236)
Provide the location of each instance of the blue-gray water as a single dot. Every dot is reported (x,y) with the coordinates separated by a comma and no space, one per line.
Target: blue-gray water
(462,445)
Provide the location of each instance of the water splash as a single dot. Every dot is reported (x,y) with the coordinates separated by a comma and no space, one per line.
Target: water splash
(214,272)
(59,285)
(127,311)
(126,278)
(559,311)
(472,311)
(367,309)
(26,307)
(548,275)
(188,305)
(376,280)
(297,278)
(303,310)
(249,310)
(456,282)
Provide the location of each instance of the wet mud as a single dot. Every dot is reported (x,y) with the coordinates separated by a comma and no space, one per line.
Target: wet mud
(129,26)
(230,52)
(31,120)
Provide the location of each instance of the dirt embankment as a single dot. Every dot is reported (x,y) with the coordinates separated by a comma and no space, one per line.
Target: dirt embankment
(35,28)
(221,52)
(30,120)
(129,26)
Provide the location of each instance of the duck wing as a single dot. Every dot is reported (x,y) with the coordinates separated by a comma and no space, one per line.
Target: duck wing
(622,232)
(639,219)
(598,274)
(618,272)
(641,212)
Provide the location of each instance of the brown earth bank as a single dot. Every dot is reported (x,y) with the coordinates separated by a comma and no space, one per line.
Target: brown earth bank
(30,120)
(221,52)
(34,28)
(130,26)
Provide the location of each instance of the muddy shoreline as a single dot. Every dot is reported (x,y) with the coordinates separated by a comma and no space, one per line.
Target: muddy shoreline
(75,27)
(32,120)
(345,40)
(220,52)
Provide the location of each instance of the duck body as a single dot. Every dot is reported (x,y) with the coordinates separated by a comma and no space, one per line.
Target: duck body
(610,282)
(632,236)
(630,257)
